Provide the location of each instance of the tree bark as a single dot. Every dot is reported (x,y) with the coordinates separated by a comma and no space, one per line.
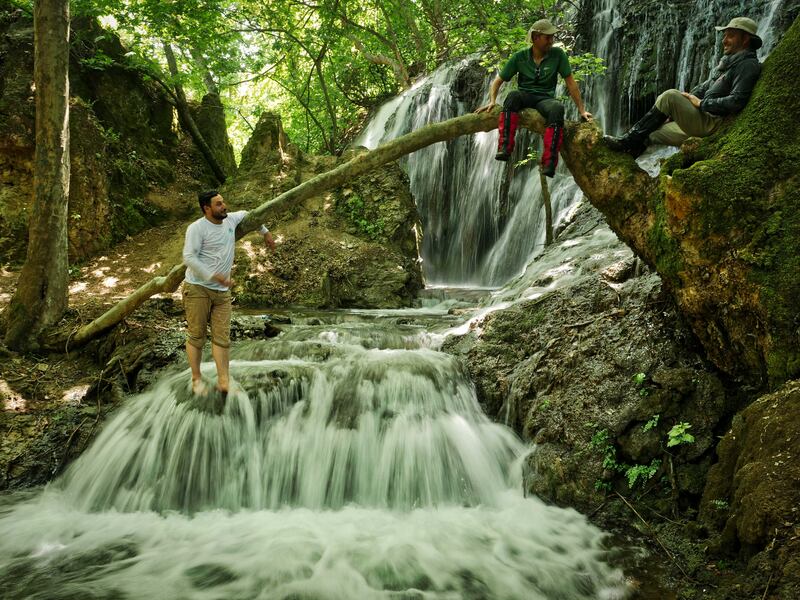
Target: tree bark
(188,121)
(41,296)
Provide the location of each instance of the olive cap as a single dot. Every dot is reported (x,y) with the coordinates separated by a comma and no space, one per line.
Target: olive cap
(746,25)
(541,26)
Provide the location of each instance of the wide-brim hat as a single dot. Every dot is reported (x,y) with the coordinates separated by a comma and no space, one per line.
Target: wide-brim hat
(746,25)
(541,26)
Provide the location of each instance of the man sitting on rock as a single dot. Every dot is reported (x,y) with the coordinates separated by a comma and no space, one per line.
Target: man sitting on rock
(538,67)
(208,254)
(700,112)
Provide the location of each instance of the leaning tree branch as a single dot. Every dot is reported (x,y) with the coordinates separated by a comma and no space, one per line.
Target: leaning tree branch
(363,163)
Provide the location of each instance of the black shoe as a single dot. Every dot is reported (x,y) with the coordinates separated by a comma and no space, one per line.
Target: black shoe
(504,156)
(634,142)
(625,144)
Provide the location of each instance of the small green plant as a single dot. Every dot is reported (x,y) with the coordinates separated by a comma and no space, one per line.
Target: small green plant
(544,404)
(638,382)
(652,423)
(585,66)
(98,62)
(355,209)
(679,434)
(531,157)
(720,504)
(642,473)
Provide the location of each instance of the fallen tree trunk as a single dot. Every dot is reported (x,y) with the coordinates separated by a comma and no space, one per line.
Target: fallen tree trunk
(363,163)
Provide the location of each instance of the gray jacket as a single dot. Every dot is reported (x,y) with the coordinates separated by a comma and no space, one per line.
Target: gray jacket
(729,88)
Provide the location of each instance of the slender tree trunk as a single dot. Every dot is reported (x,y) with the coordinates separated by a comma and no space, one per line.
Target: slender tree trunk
(548,210)
(188,121)
(200,61)
(41,295)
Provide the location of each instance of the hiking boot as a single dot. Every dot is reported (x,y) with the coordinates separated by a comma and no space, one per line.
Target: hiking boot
(553,137)
(507,129)
(634,141)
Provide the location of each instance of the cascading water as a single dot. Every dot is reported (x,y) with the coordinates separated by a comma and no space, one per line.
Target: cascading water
(473,235)
(350,462)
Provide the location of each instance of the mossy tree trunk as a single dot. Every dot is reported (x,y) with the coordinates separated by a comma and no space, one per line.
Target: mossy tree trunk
(721,224)
(41,296)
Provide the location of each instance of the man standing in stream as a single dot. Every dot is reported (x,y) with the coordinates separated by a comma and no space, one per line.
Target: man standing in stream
(208,254)
(538,68)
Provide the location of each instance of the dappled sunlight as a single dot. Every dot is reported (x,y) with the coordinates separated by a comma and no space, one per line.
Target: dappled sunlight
(75,394)
(11,400)
(77,287)
(152,268)
(110,282)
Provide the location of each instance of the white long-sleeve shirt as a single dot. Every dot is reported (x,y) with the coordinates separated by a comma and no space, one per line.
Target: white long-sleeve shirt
(208,249)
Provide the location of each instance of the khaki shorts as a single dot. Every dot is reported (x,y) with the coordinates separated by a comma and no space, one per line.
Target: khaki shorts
(204,305)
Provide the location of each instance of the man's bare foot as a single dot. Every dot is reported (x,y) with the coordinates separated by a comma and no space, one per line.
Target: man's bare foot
(199,387)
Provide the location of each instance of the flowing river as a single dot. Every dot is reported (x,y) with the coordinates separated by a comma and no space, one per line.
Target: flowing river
(351,461)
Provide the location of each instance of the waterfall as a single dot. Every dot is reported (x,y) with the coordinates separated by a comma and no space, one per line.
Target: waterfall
(472,235)
(349,461)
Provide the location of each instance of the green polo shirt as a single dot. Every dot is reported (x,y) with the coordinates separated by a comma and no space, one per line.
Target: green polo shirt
(537,79)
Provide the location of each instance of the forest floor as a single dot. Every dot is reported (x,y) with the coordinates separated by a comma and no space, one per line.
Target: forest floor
(50,405)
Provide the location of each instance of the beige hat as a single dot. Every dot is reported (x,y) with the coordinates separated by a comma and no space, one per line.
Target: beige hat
(541,26)
(746,25)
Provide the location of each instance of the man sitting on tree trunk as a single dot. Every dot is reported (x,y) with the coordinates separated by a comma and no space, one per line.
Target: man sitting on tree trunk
(700,112)
(538,67)
(208,254)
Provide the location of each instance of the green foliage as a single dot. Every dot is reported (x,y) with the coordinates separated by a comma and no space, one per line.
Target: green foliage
(642,473)
(602,443)
(98,62)
(355,209)
(652,423)
(720,504)
(321,65)
(586,65)
(679,435)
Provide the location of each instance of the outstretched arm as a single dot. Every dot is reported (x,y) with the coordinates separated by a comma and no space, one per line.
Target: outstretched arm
(498,81)
(575,94)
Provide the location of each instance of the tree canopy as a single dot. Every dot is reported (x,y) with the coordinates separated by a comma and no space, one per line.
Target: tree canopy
(322,64)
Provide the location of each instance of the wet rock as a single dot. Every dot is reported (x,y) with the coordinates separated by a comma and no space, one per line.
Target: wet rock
(253,327)
(597,375)
(352,247)
(752,492)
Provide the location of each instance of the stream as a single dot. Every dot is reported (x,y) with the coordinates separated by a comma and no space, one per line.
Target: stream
(351,460)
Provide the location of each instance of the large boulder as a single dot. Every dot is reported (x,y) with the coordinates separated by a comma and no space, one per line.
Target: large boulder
(596,371)
(752,498)
(355,246)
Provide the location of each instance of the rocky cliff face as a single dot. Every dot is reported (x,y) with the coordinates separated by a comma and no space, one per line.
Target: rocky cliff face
(355,246)
(130,167)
